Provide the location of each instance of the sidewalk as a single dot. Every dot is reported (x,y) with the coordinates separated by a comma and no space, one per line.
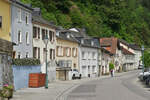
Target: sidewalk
(55,91)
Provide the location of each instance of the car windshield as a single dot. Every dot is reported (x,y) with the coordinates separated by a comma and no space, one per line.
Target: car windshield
(75,70)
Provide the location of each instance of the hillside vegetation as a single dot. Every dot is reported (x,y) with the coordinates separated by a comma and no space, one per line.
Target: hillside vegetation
(125,19)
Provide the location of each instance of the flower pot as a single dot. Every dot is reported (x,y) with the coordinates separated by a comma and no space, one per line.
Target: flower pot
(7,93)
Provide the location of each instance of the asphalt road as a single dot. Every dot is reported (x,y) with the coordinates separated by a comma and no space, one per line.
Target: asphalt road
(123,87)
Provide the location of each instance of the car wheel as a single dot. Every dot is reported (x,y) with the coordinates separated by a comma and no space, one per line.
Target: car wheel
(73,77)
(80,76)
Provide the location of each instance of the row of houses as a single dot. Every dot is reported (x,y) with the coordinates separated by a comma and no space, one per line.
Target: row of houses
(67,49)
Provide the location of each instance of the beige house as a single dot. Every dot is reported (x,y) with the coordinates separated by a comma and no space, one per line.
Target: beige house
(66,55)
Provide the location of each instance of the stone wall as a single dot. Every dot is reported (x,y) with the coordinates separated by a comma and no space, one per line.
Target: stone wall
(6,49)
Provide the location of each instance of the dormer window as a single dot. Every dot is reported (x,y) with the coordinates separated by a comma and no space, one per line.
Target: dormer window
(82,41)
(0,21)
(92,43)
(68,36)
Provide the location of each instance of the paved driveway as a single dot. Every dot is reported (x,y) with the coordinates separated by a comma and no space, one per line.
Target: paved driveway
(123,87)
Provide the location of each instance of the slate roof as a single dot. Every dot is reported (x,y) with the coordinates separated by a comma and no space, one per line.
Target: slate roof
(41,20)
(135,47)
(110,44)
(64,37)
(78,37)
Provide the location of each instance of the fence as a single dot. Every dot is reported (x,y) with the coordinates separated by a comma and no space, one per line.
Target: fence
(21,75)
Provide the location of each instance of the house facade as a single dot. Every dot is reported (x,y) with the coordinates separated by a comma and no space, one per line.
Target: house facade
(66,55)
(128,56)
(21,29)
(88,57)
(5,20)
(41,29)
(138,55)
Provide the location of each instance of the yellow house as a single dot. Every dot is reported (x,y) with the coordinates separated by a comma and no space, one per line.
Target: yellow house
(5,18)
(66,56)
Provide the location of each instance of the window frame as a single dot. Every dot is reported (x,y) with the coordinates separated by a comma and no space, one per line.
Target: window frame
(19,15)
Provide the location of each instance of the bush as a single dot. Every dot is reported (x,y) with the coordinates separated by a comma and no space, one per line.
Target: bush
(26,62)
(111,66)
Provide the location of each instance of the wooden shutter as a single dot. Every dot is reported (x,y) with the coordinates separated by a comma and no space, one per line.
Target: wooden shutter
(64,51)
(69,52)
(76,52)
(38,33)
(57,48)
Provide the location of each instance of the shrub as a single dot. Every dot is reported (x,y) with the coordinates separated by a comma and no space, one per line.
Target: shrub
(111,66)
(26,62)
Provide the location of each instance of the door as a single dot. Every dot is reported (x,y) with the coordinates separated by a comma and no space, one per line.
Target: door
(83,71)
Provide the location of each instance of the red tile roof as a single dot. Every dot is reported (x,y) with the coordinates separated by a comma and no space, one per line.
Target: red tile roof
(110,44)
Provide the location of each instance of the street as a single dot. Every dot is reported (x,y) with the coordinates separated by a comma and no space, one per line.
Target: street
(123,87)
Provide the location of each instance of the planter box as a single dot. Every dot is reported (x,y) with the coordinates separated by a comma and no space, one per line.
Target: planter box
(36,80)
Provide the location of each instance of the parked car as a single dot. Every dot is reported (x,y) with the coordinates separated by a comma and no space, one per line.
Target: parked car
(76,74)
(143,76)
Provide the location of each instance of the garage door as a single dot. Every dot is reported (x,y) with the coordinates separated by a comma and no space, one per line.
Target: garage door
(84,71)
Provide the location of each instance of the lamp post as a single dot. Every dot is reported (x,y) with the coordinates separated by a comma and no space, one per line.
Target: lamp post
(46,42)
(143,58)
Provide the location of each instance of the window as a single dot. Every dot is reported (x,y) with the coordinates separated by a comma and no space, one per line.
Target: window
(0,21)
(93,55)
(19,55)
(51,51)
(68,52)
(34,32)
(43,34)
(27,38)
(74,52)
(50,35)
(27,55)
(34,52)
(19,15)
(19,36)
(38,33)
(38,53)
(83,55)
(27,18)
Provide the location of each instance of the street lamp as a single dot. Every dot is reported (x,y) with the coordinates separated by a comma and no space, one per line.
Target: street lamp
(143,58)
(46,42)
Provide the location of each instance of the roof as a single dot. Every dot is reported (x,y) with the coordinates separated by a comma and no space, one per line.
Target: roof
(123,41)
(135,47)
(87,42)
(39,19)
(127,52)
(64,37)
(28,6)
(110,44)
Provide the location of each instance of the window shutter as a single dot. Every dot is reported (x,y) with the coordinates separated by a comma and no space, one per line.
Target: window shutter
(64,51)
(69,52)
(38,53)
(76,52)
(53,53)
(57,51)
(38,33)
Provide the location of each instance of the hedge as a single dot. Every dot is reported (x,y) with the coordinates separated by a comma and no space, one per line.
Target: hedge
(26,62)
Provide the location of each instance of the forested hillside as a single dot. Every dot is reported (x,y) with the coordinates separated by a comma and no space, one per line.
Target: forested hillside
(126,19)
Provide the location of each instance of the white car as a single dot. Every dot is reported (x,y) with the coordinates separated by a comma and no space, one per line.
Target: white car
(76,74)
(141,75)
